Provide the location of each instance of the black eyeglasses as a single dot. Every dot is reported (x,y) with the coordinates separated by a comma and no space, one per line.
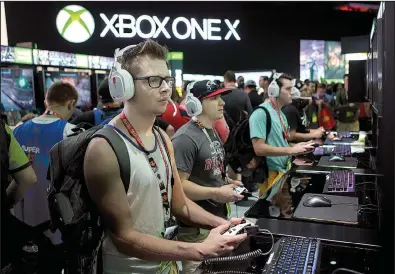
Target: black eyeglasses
(156,81)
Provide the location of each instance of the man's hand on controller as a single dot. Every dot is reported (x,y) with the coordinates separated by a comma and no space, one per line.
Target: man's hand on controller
(302,148)
(236,221)
(226,194)
(216,244)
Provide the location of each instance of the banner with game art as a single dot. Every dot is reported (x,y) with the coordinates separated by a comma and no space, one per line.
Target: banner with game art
(335,64)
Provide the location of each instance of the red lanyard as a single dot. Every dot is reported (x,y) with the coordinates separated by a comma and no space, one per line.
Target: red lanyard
(151,160)
(281,121)
(50,112)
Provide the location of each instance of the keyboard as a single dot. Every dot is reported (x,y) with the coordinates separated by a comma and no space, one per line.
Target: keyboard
(341,150)
(340,181)
(294,255)
(343,135)
(338,150)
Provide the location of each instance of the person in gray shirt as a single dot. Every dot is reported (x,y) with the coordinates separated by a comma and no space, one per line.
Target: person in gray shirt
(200,156)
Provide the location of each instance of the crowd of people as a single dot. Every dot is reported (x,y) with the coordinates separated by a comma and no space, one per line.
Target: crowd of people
(179,186)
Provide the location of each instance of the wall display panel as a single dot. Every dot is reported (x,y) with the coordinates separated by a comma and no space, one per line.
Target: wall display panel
(335,65)
(80,80)
(7,54)
(312,59)
(17,89)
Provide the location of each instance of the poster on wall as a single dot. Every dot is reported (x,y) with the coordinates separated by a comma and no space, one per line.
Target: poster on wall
(335,65)
(312,59)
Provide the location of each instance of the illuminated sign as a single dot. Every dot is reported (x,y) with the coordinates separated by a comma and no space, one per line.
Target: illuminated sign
(127,26)
(23,56)
(175,56)
(75,24)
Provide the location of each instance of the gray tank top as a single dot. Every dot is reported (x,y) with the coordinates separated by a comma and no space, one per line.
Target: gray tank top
(145,201)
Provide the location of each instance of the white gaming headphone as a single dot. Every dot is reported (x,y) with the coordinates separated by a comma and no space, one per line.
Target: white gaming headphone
(274,89)
(192,104)
(120,81)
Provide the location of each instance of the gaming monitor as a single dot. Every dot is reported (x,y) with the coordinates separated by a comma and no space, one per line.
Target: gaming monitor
(17,89)
(99,79)
(80,80)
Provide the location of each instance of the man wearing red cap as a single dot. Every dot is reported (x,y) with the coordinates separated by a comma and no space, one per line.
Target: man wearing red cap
(200,159)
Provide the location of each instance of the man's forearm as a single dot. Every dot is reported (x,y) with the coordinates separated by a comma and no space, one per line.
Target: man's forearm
(194,215)
(266,150)
(196,192)
(148,247)
(301,137)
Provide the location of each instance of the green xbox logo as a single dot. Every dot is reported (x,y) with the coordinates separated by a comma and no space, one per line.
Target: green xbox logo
(75,24)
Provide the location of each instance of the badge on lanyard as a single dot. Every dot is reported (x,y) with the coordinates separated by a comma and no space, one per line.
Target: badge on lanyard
(165,197)
(153,164)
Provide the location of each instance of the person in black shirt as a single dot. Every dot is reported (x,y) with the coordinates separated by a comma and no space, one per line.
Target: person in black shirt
(296,117)
(237,103)
(255,98)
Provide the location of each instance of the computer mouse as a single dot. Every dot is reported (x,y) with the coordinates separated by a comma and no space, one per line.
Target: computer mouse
(317,201)
(336,158)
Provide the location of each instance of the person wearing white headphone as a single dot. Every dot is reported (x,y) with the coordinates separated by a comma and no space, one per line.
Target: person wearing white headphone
(140,223)
(275,147)
(200,159)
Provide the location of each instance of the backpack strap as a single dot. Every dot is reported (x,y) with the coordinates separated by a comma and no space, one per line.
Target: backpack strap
(268,121)
(120,149)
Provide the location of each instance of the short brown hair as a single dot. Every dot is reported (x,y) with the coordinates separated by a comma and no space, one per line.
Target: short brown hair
(321,85)
(281,78)
(230,76)
(61,92)
(150,48)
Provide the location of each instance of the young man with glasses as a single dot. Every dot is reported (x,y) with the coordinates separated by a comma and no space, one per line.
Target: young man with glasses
(138,222)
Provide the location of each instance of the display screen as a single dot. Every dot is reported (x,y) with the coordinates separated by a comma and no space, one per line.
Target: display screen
(80,80)
(17,89)
(62,59)
(312,59)
(7,54)
(100,62)
(321,60)
(41,57)
(94,62)
(335,64)
(374,72)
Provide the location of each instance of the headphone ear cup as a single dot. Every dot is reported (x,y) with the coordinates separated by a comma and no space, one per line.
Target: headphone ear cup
(121,85)
(193,105)
(273,89)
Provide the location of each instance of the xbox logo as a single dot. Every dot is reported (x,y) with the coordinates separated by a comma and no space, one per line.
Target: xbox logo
(75,24)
